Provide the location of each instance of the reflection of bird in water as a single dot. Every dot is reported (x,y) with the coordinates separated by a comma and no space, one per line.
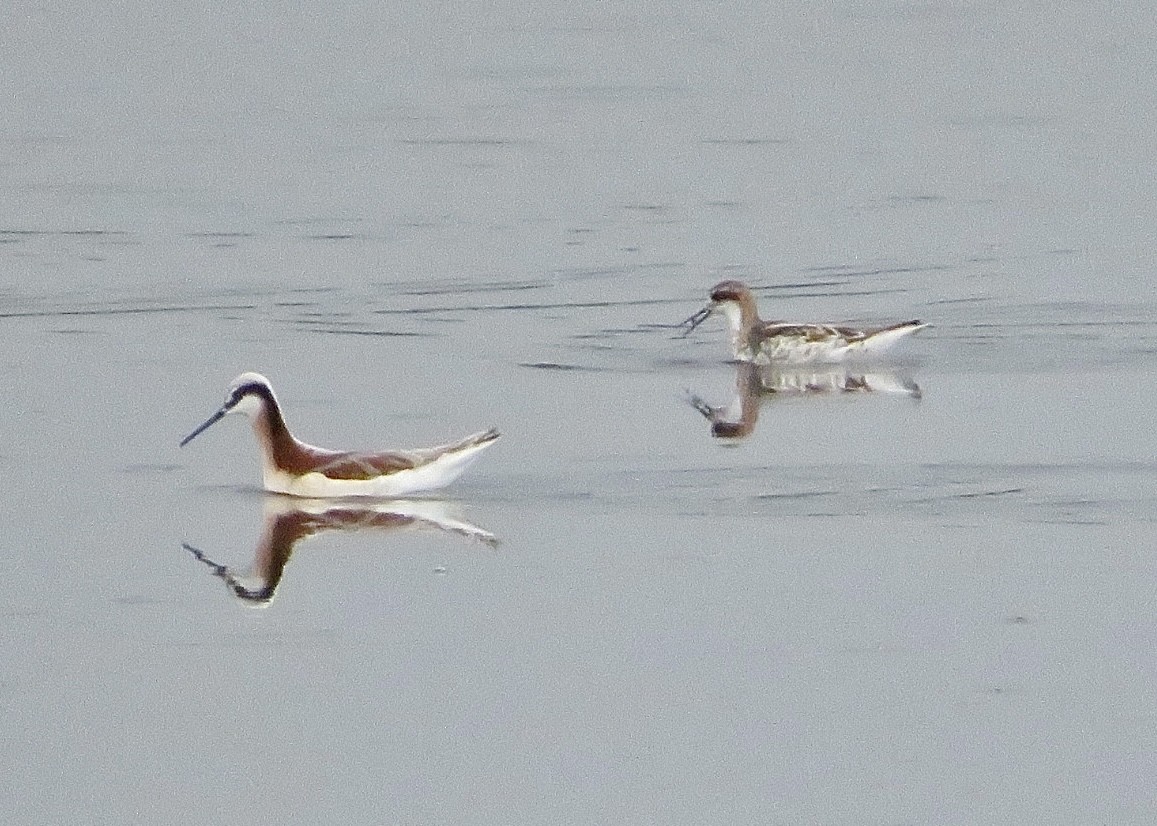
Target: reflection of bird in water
(299,469)
(288,521)
(753,382)
(768,342)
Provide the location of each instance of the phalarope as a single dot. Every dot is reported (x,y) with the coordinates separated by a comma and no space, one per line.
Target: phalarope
(767,342)
(298,469)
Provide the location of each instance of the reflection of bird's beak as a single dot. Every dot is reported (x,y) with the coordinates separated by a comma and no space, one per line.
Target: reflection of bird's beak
(721,428)
(207,424)
(697,319)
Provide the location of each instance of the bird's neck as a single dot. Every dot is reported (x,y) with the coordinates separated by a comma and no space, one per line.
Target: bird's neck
(280,450)
(741,320)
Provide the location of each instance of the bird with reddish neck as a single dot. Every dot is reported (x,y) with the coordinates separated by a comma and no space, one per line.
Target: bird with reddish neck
(292,467)
(777,342)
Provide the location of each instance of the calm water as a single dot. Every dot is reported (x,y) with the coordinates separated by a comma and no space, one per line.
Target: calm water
(877,607)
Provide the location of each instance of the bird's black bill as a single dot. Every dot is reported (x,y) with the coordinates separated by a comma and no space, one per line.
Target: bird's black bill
(205,426)
(695,320)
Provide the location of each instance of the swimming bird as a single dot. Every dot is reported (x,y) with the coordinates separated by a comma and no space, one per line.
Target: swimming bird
(767,342)
(295,468)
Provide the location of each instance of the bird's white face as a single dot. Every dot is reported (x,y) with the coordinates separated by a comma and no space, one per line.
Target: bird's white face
(247,395)
(733,313)
(249,405)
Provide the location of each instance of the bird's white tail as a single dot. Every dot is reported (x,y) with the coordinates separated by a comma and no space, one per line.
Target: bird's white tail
(884,339)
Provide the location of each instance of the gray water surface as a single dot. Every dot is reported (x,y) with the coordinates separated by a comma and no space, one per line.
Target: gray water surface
(876,607)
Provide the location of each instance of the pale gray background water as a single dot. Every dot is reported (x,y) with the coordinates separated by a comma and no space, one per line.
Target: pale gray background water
(872,610)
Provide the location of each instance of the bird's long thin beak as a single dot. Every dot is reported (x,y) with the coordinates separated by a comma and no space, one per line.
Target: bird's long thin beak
(697,319)
(205,426)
